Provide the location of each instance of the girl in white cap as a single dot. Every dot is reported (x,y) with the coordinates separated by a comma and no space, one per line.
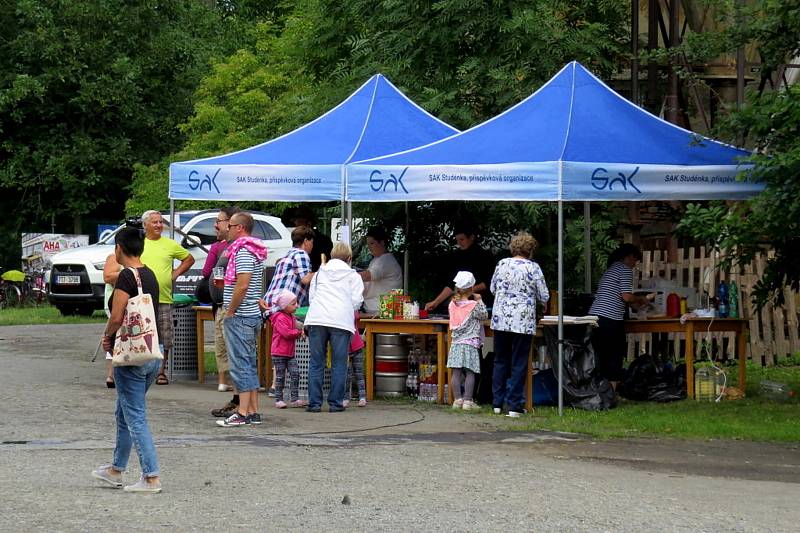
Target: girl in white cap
(467,311)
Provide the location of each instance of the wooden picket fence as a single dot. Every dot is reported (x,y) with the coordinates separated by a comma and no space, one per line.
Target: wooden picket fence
(773,330)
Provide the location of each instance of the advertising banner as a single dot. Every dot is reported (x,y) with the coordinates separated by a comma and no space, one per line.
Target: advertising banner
(39,248)
(404,183)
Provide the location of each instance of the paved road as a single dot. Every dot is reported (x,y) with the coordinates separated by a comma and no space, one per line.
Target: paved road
(402,467)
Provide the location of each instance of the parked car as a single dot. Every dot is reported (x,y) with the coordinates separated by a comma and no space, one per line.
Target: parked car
(76,275)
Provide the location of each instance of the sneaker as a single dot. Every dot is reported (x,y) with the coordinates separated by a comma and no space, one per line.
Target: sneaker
(458,403)
(224,388)
(225,411)
(334,409)
(469,404)
(255,418)
(311,409)
(280,404)
(497,410)
(345,403)
(104,473)
(299,403)
(143,486)
(515,414)
(362,402)
(236,419)
(271,392)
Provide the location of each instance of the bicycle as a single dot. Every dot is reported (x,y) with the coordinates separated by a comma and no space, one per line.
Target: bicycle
(33,290)
(10,294)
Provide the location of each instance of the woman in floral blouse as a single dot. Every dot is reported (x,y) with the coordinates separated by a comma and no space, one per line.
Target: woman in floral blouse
(517,284)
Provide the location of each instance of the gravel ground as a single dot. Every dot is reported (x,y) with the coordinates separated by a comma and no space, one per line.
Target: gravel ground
(397,467)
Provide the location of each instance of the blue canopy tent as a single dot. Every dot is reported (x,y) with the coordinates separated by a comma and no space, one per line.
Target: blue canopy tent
(307,164)
(574,139)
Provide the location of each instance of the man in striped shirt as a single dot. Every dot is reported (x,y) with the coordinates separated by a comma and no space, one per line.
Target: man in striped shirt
(242,320)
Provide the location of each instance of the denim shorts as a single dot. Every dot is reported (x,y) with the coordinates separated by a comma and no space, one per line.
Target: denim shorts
(241,333)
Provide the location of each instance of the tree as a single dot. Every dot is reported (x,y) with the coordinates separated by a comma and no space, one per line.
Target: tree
(88,89)
(770,124)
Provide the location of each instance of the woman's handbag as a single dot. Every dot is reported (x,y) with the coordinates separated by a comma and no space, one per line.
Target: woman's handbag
(137,338)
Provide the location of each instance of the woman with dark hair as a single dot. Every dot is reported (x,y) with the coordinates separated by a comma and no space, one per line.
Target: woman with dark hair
(614,293)
(384,272)
(132,382)
(469,257)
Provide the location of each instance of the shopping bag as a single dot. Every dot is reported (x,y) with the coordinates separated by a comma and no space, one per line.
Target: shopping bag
(137,338)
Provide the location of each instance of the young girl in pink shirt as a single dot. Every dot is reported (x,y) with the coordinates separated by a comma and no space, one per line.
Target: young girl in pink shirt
(284,333)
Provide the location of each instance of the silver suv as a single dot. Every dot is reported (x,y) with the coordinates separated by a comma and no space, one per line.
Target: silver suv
(76,276)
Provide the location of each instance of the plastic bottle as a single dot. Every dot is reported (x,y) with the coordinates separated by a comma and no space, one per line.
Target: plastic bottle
(775,390)
(673,305)
(733,300)
(722,295)
(412,367)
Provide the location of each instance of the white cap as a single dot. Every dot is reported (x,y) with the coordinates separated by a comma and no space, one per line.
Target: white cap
(464,280)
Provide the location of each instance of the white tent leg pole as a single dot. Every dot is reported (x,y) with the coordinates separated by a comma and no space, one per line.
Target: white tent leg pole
(587,248)
(560,307)
(172,219)
(405,255)
(348,219)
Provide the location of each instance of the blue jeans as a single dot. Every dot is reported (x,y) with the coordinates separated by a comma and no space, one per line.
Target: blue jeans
(510,365)
(318,338)
(241,333)
(132,383)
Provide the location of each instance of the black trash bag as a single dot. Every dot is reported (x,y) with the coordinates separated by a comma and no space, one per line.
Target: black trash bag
(583,387)
(201,292)
(650,379)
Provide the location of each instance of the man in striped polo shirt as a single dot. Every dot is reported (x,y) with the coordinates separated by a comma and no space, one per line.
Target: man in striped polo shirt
(242,321)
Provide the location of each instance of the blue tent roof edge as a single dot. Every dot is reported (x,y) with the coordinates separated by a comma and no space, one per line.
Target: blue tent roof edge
(378,77)
(374,79)
(644,111)
(572,65)
(460,133)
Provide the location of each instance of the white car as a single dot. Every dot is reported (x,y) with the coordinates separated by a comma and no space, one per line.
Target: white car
(76,276)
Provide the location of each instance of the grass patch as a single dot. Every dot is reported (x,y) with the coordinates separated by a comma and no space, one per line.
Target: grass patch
(210,361)
(46,314)
(753,418)
(749,419)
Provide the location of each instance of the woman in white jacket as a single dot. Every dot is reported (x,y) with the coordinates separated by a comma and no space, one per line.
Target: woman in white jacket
(335,292)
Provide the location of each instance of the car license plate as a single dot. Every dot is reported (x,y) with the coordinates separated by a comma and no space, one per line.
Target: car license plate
(68,280)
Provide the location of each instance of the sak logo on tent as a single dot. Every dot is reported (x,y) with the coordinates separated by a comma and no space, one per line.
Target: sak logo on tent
(601,180)
(379,184)
(197,184)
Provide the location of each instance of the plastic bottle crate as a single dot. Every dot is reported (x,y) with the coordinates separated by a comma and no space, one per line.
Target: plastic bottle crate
(182,359)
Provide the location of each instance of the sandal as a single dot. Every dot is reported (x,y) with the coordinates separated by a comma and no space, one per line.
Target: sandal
(110,383)
(162,379)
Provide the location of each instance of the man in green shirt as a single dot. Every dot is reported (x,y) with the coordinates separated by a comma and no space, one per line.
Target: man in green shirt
(159,255)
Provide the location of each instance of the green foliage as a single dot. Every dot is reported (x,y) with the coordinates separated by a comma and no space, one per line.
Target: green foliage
(769,124)
(89,89)
(772,219)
